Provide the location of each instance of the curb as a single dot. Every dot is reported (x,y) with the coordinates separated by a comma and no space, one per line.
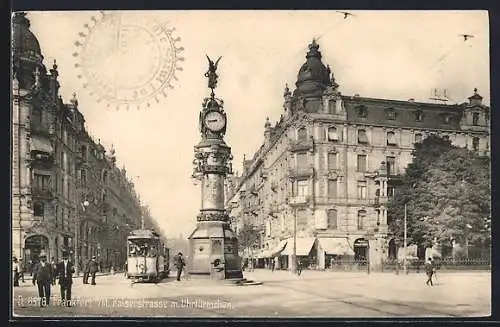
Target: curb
(80,275)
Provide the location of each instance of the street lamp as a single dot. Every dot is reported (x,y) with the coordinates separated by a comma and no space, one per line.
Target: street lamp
(85,204)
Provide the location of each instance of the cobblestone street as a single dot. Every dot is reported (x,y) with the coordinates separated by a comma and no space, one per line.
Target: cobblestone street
(314,293)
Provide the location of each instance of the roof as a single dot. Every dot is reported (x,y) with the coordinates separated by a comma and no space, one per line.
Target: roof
(23,39)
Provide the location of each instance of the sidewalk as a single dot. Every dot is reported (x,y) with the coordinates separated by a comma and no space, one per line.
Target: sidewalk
(28,277)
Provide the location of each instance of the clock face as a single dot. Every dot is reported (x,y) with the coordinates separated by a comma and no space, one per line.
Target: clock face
(215,121)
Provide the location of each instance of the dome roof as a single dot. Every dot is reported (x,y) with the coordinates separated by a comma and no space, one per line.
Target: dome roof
(313,76)
(24,42)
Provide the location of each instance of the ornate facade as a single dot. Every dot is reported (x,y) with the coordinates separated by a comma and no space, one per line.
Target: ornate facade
(327,168)
(67,192)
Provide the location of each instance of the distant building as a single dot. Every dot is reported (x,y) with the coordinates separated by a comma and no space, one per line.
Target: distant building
(331,162)
(67,192)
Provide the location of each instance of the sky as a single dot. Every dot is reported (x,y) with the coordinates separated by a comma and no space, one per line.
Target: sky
(382,54)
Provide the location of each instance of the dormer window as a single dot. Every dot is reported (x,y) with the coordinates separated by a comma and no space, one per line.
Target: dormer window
(362,137)
(333,134)
(475,119)
(362,111)
(391,114)
(391,138)
(419,115)
(446,118)
(302,134)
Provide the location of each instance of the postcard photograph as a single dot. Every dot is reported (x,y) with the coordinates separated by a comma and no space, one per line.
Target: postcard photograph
(251,163)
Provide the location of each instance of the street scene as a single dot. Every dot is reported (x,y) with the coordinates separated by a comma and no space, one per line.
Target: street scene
(313,294)
(162,168)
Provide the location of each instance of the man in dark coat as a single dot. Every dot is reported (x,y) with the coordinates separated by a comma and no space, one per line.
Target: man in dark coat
(429,270)
(65,271)
(93,268)
(43,276)
(86,270)
(179,264)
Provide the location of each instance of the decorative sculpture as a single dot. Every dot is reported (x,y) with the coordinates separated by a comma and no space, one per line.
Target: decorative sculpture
(212,74)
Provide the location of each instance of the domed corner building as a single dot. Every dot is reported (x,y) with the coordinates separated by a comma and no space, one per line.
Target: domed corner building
(330,165)
(54,161)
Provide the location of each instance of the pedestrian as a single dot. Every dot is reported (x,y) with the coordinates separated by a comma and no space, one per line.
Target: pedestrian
(22,269)
(86,270)
(299,267)
(273,264)
(179,264)
(54,269)
(15,271)
(93,268)
(125,269)
(65,271)
(43,275)
(429,270)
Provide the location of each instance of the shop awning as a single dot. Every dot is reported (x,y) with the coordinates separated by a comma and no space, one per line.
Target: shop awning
(335,246)
(303,246)
(41,144)
(280,248)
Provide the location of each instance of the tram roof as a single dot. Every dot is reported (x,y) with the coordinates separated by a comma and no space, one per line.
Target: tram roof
(143,233)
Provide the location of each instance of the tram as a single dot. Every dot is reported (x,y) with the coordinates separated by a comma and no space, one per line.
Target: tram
(147,256)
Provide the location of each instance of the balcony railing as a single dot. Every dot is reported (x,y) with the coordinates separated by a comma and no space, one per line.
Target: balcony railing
(298,172)
(299,200)
(301,145)
(43,192)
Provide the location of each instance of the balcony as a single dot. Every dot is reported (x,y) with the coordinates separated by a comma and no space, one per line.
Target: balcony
(41,130)
(301,145)
(298,172)
(42,192)
(299,200)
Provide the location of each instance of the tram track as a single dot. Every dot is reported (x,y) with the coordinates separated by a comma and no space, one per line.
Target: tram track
(365,306)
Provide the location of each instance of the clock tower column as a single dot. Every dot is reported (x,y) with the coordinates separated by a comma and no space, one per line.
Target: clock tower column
(213,245)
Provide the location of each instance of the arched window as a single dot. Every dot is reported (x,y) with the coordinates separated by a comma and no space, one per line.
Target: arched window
(332,134)
(391,138)
(332,218)
(38,209)
(419,115)
(361,219)
(475,119)
(362,137)
(302,134)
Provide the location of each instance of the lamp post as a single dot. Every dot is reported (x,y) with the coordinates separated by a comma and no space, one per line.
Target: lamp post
(294,255)
(405,243)
(77,238)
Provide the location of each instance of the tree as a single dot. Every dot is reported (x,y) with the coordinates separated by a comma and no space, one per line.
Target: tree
(446,190)
(426,152)
(248,236)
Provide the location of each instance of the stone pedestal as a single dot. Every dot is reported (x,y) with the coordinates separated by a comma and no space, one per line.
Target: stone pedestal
(213,251)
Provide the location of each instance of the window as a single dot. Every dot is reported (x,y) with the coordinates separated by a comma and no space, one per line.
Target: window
(361,163)
(446,119)
(362,137)
(83,176)
(302,134)
(301,160)
(391,166)
(361,219)
(418,138)
(41,182)
(62,163)
(332,188)
(391,138)
(362,111)
(332,134)
(38,209)
(475,119)
(331,107)
(301,217)
(419,115)
(302,186)
(391,114)
(361,190)
(331,215)
(390,191)
(332,161)
(475,144)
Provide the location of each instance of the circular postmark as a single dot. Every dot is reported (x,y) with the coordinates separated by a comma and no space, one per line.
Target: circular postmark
(127,60)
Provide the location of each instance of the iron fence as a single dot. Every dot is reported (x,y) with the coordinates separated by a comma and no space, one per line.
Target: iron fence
(440,264)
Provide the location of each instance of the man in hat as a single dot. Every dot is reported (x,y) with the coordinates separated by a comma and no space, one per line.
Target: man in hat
(43,276)
(15,271)
(65,271)
(179,264)
(93,268)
